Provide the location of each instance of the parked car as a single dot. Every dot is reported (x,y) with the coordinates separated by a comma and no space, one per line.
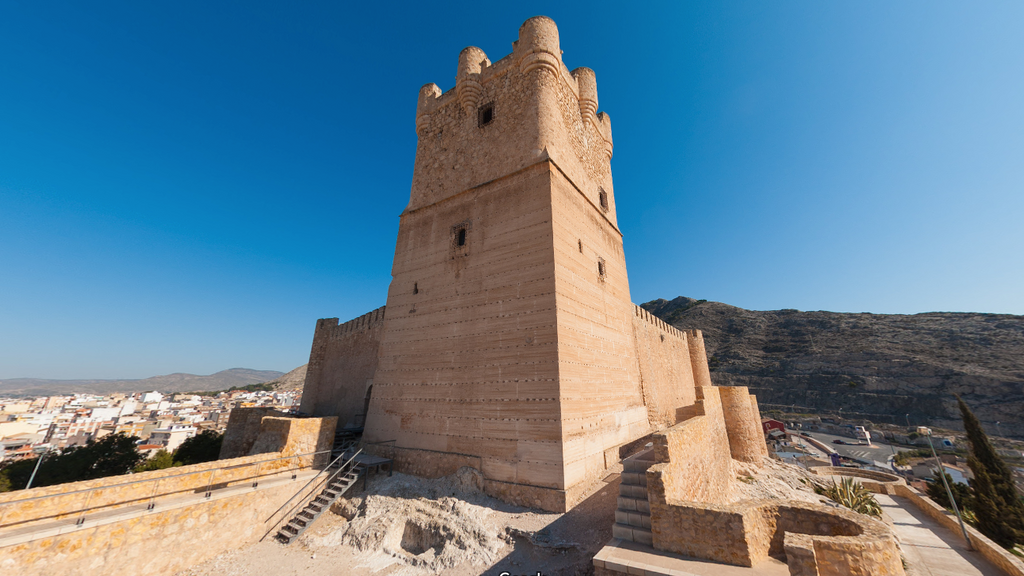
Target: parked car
(838,441)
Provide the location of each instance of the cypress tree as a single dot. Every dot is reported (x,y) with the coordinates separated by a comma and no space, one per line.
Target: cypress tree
(997,505)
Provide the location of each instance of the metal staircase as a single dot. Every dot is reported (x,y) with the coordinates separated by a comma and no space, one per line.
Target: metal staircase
(340,478)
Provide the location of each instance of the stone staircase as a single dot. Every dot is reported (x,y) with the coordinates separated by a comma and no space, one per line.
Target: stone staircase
(340,479)
(633,515)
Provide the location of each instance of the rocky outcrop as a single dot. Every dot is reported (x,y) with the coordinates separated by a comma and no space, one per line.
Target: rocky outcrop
(878,367)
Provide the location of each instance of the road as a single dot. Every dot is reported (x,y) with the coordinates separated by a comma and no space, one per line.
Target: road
(879,451)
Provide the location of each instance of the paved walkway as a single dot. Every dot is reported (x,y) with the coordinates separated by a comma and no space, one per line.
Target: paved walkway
(930,548)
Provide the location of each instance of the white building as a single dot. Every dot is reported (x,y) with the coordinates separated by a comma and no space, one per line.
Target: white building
(154,396)
(172,436)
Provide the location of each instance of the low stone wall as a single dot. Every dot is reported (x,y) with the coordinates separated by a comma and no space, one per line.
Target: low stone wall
(156,543)
(816,539)
(693,512)
(242,430)
(693,456)
(877,482)
(67,500)
(993,552)
(253,431)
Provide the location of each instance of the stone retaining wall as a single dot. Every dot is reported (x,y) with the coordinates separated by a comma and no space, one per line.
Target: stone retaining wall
(157,543)
(993,552)
(67,500)
(877,482)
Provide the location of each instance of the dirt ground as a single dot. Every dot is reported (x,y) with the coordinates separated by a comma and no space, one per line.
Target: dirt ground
(408,526)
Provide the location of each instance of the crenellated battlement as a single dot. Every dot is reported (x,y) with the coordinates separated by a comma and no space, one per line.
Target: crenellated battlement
(332,329)
(643,314)
(503,117)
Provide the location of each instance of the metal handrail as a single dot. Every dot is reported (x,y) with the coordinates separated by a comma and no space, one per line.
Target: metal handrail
(328,481)
(83,490)
(311,480)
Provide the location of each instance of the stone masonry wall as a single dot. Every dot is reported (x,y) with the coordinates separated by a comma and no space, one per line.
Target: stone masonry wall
(693,456)
(743,424)
(254,431)
(242,430)
(468,360)
(600,395)
(342,363)
(694,512)
(666,374)
(293,436)
(539,109)
(157,543)
(56,502)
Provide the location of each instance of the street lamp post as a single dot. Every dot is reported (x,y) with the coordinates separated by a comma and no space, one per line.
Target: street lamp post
(36,469)
(949,492)
(908,421)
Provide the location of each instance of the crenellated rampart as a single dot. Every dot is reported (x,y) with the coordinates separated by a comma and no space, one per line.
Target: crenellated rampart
(666,371)
(342,362)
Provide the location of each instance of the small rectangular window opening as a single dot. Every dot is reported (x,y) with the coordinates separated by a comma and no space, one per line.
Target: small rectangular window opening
(461,237)
(415,288)
(603,198)
(581,246)
(600,267)
(486,114)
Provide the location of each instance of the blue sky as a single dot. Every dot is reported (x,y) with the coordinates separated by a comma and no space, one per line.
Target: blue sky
(188,186)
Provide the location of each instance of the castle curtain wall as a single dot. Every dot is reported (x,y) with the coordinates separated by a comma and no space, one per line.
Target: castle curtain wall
(666,374)
(342,363)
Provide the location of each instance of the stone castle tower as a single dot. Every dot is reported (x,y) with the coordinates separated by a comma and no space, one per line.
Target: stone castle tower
(509,342)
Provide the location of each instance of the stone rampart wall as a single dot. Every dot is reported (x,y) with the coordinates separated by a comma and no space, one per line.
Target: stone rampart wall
(242,429)
(666,375)
(254,431)
(815,538)
(21,507)
(694,462)
(693,511)
(342,363)
(155,543)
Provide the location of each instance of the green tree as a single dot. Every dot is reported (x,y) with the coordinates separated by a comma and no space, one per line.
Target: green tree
(962,493)
(997,505)
(203,447)
(112,455)
(162,459)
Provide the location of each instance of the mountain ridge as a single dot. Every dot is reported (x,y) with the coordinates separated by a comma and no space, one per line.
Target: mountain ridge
(881,367)
(175,382)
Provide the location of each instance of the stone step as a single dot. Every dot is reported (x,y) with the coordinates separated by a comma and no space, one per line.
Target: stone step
(634,505)
(637,465)
(633,534)
(635,519)
(633,491)
(634,478)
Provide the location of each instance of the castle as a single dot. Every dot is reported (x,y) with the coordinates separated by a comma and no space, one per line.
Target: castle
(509,342)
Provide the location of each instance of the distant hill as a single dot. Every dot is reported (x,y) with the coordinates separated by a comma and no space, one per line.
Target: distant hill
(170,383)
(292,381)
(875,366)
